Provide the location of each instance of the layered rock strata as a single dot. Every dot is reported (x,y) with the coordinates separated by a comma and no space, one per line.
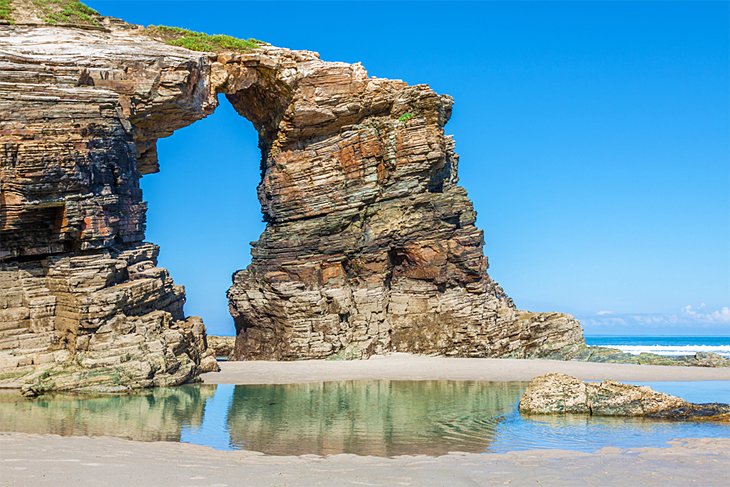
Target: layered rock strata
(562,394)
(83,304)
(370,244)
(222,346)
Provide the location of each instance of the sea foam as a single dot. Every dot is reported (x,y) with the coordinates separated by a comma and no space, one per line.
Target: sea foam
(671,350)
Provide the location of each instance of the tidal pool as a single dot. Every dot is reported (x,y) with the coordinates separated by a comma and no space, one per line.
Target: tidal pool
(383,418)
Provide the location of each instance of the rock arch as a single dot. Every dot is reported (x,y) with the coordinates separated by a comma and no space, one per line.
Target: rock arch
(370,244)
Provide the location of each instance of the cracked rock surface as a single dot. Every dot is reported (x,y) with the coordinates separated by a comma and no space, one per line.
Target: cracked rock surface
(563,394)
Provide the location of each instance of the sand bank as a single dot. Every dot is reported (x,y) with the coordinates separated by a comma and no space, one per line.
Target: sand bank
(413,367)
(79,461)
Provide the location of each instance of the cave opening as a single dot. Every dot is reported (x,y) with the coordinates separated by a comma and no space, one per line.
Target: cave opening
(202,209)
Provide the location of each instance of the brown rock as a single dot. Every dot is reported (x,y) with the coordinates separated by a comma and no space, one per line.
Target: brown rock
(370,244)
(562,394)
(222,346)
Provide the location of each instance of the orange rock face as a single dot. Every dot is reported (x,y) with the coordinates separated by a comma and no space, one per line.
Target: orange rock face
(370,244)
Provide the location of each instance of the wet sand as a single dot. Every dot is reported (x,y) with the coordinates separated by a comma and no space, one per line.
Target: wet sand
(78,461)
(400,366)
(28,459)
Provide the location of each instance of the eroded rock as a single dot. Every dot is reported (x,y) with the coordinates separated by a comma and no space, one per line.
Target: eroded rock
(563,394)
(222,346)
(370,244)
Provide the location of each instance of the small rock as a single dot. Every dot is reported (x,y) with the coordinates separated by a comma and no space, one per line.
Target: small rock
(709,359)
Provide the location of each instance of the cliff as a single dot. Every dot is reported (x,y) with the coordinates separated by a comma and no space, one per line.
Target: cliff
(370,244)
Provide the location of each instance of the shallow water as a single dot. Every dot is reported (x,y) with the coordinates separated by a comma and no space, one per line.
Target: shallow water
(383,418)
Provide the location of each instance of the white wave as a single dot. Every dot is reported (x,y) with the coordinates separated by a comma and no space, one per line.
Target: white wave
(673,350)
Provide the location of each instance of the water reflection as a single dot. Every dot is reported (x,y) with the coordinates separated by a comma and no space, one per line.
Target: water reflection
(152,415)
(383,418)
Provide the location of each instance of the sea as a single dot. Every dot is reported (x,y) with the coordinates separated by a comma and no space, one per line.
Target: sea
(664,345)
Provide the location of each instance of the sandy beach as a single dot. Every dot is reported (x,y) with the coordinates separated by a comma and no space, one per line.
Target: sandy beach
(41,459)
(77,461)
(401,366)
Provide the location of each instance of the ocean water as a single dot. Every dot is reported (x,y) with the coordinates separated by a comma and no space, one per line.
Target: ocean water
(381,418)
(664,345)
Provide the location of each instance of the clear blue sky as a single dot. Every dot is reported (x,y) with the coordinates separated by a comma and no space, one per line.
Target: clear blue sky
(594,142)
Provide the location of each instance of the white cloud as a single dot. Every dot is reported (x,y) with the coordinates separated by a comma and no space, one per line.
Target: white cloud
(689,316)
(721,315)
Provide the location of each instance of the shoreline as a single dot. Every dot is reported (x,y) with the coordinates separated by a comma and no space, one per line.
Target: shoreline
(401,366)
(71,461)
(79,461)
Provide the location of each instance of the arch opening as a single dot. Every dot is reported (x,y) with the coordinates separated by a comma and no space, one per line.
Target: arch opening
(202,209)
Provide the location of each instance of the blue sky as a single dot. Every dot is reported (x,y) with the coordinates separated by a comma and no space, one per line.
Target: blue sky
(594,142)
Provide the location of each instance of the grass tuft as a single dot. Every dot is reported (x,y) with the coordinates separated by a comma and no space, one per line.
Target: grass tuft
(200,41)
(405,117)
(66,12)
(5,11)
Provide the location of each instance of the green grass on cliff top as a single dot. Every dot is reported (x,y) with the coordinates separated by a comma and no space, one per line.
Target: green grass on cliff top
(199,41)
(5,10)
(74,12)
(66,12)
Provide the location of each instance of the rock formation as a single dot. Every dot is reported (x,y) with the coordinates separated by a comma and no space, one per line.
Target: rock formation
(562,394)
(614,355)
(222,346)
(370,244)
(82,303)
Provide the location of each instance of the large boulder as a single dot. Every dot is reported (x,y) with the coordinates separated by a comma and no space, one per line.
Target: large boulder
(563,394)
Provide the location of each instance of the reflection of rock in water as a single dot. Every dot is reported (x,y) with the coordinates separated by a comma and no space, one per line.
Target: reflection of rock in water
(370,417)
(154,415)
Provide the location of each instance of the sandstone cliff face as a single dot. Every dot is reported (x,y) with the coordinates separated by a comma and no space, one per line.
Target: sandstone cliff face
(82,303)
(370,244)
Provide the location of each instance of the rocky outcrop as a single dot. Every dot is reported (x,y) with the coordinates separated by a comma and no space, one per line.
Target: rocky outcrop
(562,394)
(614,355)
(708,359)
(108,320)
(83,304)
(222,346)
(370,244)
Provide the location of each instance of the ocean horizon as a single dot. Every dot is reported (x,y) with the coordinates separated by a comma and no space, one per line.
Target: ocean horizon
(663,344)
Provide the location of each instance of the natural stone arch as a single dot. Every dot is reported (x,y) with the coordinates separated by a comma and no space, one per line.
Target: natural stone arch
(370,244)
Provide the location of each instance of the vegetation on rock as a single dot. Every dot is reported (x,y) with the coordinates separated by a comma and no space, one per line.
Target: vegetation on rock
(6,10)
(66,12)
(200,41)
(405,117)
